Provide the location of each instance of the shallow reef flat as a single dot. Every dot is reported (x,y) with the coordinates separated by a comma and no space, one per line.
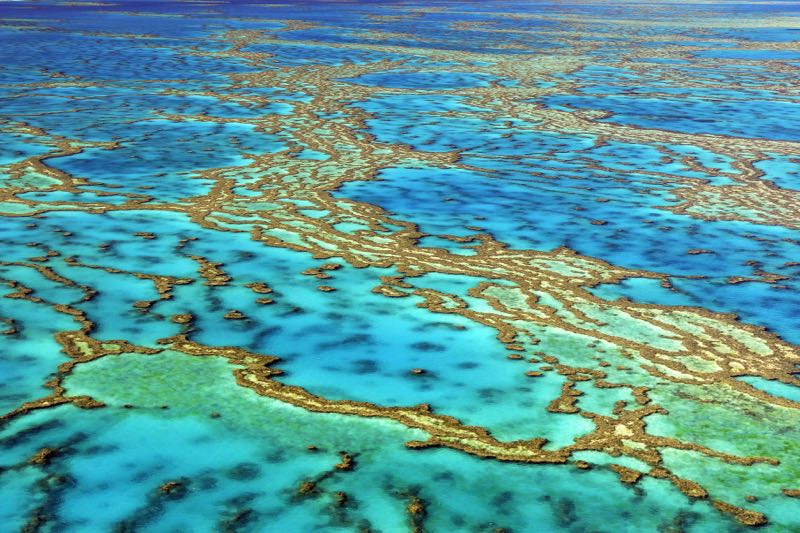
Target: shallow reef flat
(399,266)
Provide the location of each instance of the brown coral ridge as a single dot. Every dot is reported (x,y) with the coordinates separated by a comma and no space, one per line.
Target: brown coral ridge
(217,277)
(446,431)
(173,488)
(611,435)
(505,100)
(43,456)
(417,512)
(327,242)
(744,516)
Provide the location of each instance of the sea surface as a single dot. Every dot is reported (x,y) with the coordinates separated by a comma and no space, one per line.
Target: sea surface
(444,266)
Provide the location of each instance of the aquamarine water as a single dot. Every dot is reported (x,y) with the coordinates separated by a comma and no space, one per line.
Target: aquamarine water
(399,266)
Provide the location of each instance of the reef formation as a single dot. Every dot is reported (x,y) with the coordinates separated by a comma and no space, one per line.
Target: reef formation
(400,266)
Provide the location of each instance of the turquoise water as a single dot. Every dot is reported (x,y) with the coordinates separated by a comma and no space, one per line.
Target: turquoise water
(384,266)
